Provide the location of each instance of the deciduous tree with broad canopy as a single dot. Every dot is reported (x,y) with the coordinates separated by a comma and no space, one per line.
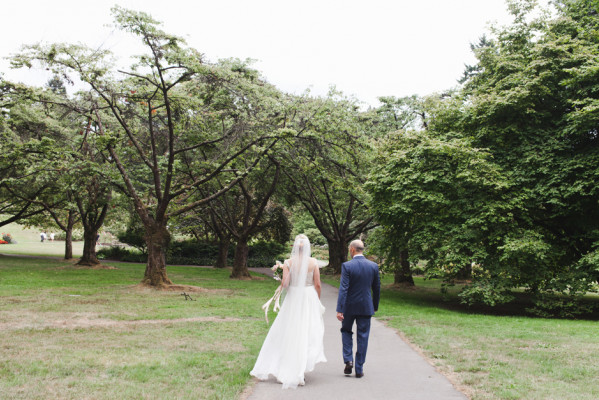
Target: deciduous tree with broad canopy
(170,117)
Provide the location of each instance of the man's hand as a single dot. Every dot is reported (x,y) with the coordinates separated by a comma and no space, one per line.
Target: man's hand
(340,316)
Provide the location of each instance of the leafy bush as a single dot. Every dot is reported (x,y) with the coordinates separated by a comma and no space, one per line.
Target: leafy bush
(192,252)
(304,223)
(77,235)
(121,254)
(134,235)
(547,305)
(485,292)
(134,238)
(265,253)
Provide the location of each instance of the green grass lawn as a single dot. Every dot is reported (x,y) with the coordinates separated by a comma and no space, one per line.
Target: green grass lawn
(29,243)
(496,356)
(74,333)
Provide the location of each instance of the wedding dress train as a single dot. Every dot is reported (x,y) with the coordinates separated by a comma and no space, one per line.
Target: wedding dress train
(294,344)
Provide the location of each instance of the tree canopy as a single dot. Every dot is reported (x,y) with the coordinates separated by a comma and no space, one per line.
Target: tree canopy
(501,186)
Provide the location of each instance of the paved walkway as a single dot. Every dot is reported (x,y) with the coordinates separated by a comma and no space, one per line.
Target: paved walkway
(393,370)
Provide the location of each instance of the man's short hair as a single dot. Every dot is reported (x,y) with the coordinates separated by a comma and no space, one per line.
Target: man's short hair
(358,245)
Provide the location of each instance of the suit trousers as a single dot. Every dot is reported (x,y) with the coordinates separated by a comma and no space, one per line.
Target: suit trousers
(363,331)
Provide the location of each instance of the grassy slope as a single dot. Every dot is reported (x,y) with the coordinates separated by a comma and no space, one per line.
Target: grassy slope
(56,342)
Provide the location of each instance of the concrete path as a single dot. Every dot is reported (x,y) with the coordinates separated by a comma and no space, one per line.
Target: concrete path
(393,370)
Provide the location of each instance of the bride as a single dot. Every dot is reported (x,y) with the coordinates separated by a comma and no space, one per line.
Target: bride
(294,343)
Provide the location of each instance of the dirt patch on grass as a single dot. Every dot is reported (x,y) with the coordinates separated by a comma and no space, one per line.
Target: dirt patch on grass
(179,288)
(73,265)
(92,320)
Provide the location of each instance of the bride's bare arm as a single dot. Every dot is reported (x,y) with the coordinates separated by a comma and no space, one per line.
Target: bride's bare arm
(316,276)
(285,280)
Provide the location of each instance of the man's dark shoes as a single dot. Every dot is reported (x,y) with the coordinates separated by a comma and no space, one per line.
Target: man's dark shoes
(359,374)
(348,367)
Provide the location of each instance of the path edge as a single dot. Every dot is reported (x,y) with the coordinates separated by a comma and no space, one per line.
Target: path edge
(443,369)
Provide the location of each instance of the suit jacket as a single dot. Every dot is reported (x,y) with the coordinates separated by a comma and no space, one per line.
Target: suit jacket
(359,277)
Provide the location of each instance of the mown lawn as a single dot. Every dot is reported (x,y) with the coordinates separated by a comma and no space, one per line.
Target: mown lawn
(29,243)
(74,333)
(508,356)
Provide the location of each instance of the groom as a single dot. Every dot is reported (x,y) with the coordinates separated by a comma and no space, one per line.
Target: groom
(355,303)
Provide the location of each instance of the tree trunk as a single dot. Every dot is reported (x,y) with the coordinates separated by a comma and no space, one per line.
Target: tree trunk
(157,240)
(68,244)
(223,253)
(403,273)
(89,248)
(337,255)
(68,241)
(240,267)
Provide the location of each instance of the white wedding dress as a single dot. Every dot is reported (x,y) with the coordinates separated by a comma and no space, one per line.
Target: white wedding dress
(294,344)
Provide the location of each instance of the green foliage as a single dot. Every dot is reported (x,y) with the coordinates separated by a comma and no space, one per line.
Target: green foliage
(192,252)
(134,234)
(76,235)
(264,253)
(120,253)
(324,168)
(277,226)
(304,223)
(171,126)
(501,186)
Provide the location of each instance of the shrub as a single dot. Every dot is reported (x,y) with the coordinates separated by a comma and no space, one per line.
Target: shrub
(264,253)
(134,235)
(193,252)
(77,235)
(120,254)
(134,238)
(7,238)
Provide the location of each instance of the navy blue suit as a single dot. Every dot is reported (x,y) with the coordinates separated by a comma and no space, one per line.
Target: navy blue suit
(359,295)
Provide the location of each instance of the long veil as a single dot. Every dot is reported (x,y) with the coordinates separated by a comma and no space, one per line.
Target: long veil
(299,262)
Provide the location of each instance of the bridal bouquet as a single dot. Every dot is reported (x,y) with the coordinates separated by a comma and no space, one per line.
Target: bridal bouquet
(277,270)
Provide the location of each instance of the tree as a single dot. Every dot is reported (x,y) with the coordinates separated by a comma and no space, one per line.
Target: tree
(240,213)
(442,201)
(325,166)
(502,185)
(68,172)
(170,124)
(24,153)
(391,241)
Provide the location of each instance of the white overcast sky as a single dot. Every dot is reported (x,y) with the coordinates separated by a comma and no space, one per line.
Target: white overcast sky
(366,48)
